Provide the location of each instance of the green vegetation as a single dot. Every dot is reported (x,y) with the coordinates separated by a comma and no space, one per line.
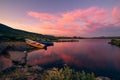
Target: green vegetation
(53,74)
(67,74)
(115,42)
(10,34)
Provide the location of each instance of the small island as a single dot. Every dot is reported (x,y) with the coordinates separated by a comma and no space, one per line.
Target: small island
(115,42)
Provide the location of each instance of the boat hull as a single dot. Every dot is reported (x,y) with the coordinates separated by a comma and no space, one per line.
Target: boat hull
(35,44)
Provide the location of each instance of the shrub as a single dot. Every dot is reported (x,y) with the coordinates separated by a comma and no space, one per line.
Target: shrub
(67,74)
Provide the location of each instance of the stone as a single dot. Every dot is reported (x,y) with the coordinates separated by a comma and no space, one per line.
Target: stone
(102,78)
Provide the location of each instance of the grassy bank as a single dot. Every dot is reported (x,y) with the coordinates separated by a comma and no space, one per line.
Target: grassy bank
(31,73)
(115,42)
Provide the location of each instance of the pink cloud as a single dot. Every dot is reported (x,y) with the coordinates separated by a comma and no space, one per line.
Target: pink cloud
(115,12)
(80,21)
(116,15)
(42,15)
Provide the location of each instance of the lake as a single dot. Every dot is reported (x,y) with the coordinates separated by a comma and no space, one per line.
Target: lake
(90,55)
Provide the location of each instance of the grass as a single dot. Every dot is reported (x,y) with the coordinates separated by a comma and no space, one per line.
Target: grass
(65,73)
(115,42)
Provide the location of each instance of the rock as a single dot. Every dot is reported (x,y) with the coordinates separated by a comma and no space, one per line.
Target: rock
(37,68)
(32,77)
(28,74)
(5,63)
(102,78)
(18,57)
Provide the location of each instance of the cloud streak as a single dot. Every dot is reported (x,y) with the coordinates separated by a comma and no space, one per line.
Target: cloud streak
(77,22)
(43,16)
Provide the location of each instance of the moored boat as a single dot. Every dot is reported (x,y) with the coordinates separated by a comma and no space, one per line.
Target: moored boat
(35,44)
(47,43)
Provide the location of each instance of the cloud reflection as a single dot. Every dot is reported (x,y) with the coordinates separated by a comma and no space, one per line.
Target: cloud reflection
(87,53)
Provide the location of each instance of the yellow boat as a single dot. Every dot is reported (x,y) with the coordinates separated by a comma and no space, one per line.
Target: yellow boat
(34,44)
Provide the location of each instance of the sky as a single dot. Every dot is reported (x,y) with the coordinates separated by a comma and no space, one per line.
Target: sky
(86,18)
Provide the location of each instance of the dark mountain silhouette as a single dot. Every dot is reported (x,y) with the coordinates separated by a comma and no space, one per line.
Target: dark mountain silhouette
(9,34)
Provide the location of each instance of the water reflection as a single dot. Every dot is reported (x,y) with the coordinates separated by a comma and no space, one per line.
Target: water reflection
(10,58)
(92,55)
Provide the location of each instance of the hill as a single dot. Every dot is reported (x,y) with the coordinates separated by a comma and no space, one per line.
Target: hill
(9,34)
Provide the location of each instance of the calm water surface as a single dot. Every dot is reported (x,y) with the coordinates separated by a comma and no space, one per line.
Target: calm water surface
(91,55)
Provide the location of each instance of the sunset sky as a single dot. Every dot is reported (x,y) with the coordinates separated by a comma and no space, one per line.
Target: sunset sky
(63,17)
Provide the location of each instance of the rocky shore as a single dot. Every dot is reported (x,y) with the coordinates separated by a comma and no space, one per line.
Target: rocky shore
(15,46)
(13,53)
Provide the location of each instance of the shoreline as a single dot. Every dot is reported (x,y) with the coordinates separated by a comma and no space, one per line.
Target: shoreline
(15,46)
(24,46)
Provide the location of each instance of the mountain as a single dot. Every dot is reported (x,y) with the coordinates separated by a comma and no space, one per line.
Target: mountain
(9,34)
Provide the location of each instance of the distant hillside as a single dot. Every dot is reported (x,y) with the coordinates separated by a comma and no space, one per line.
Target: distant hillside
(9,34)
(74,37)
